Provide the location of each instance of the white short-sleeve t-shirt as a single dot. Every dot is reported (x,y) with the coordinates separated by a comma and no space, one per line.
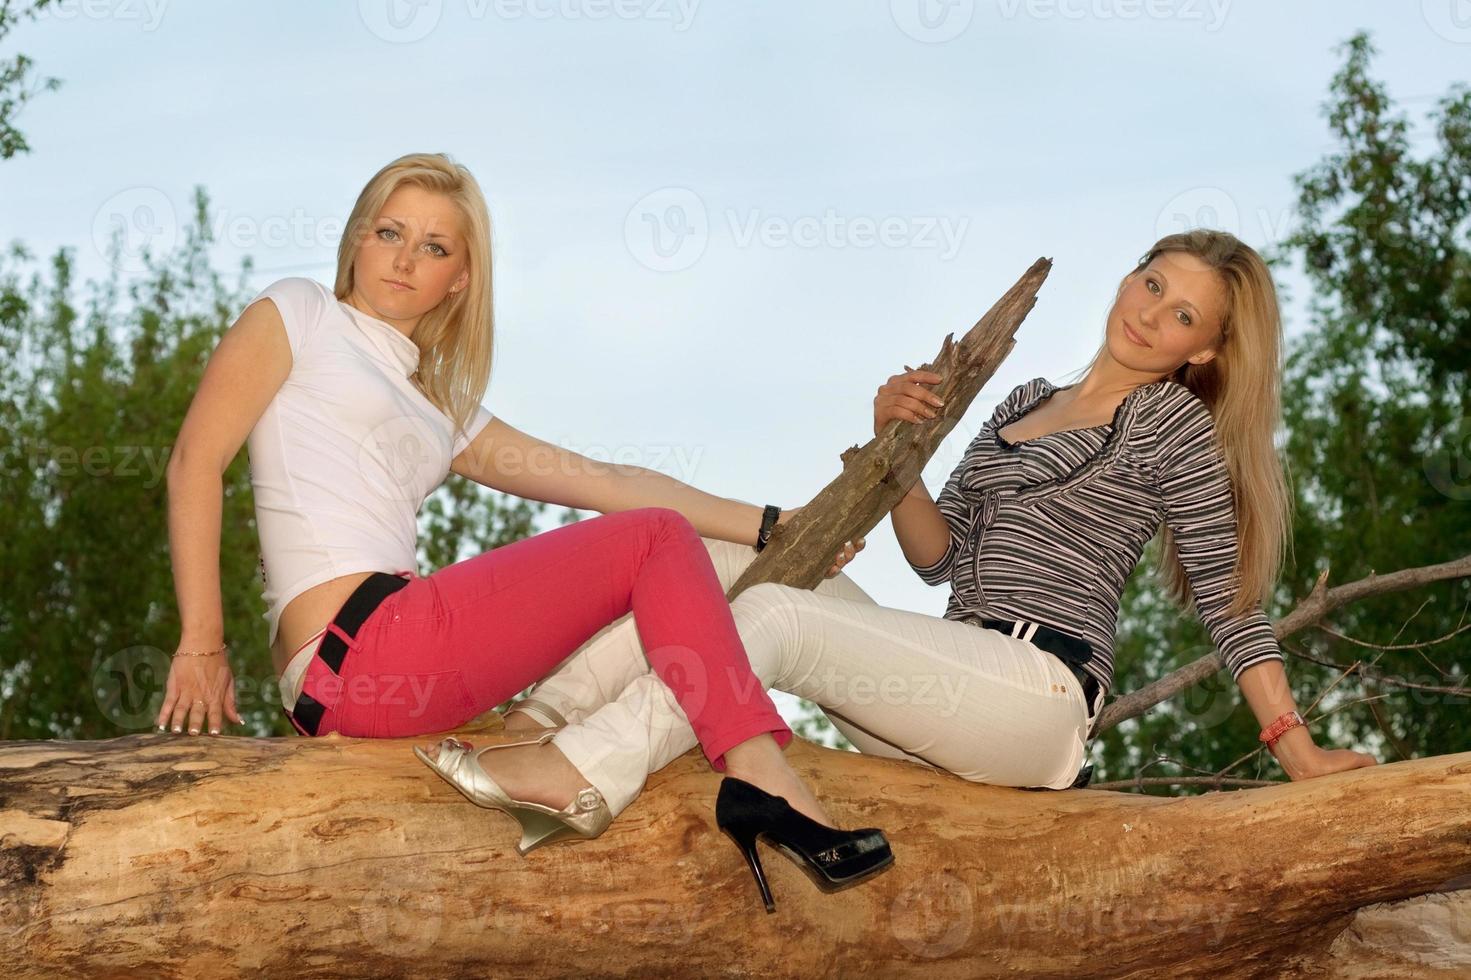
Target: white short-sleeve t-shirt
(347,450)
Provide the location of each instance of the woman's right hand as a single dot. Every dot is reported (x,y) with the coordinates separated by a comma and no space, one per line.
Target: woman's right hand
(199,690)
(905,396)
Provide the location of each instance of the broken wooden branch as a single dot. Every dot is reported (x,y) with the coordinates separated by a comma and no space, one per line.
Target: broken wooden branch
(878,474)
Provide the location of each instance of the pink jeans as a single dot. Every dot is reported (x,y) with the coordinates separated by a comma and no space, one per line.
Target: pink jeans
(450,646)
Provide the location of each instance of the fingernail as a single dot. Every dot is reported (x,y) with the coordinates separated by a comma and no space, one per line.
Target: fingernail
(193,731)
(178,729)
(214,731)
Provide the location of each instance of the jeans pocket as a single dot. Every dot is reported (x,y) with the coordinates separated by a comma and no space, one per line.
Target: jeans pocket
(408,703)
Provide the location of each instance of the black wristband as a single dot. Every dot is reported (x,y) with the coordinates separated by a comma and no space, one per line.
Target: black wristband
(768,521)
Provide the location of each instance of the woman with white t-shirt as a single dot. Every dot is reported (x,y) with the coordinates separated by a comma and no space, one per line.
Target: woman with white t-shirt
(357,402)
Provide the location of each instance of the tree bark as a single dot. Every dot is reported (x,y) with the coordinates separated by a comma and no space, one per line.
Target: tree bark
(193,856)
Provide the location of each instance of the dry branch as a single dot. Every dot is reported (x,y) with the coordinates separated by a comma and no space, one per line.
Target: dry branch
(876,476)
(1318,604)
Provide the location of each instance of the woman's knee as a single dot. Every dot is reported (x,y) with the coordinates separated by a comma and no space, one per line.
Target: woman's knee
(661,524)
(770,595)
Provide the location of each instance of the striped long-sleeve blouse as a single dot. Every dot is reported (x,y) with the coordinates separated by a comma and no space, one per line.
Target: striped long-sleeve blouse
(1049,529)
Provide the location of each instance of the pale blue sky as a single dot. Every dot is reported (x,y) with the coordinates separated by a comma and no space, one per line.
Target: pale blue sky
(743,357)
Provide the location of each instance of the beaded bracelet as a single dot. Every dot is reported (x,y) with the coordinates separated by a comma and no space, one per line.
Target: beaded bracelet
(201,653)
(1274,731)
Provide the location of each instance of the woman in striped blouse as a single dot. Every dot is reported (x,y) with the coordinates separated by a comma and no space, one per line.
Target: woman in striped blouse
(1036,530)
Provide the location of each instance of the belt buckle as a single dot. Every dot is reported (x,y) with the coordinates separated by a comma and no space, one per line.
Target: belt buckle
(1024,629)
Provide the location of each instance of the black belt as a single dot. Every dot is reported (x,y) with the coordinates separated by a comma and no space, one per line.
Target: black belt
(1071,650)
(369,594)
(1065,647)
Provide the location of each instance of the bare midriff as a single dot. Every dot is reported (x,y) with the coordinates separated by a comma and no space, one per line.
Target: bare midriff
(309,613)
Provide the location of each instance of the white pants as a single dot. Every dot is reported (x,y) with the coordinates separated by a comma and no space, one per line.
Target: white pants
(981,704)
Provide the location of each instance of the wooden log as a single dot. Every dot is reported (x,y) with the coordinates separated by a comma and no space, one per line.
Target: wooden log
(1427,937)
(196,856)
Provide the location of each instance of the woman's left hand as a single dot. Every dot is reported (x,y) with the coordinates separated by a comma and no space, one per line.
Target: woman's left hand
(845,554)
(1312,761)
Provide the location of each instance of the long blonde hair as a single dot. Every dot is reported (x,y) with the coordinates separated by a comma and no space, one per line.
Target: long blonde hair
(1241,386)
(455,338)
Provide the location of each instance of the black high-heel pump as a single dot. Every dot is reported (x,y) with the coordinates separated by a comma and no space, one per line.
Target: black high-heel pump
(833,859)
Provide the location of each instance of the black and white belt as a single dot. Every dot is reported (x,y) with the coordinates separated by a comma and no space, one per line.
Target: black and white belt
(1071,650)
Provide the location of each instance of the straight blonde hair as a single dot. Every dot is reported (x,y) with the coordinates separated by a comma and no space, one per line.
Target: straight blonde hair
(455,339)
(1242,388)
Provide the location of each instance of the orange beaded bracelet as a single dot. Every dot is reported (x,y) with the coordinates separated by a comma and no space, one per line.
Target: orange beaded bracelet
(1274,731)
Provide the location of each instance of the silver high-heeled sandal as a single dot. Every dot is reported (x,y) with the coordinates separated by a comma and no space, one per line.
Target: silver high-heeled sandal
(541,710)
(458,762)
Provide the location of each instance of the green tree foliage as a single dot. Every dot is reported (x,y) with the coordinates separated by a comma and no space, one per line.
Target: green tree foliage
(92,401)
(1378,447)
(18,84)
